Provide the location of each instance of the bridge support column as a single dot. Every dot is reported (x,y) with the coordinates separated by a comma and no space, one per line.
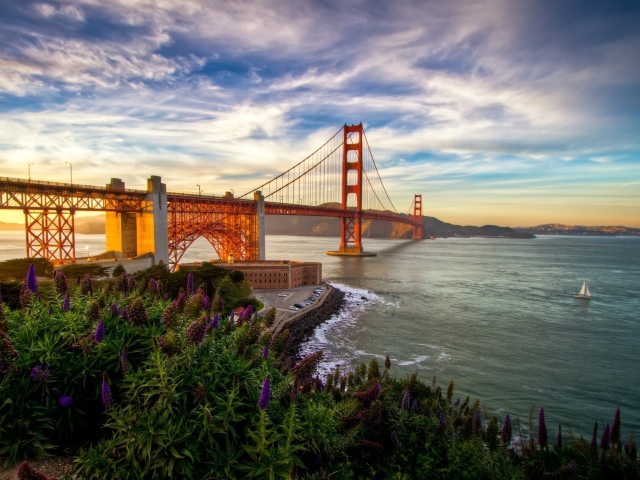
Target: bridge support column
(257,196)
(417,216)
(153,222)
(352,164)
(131,234)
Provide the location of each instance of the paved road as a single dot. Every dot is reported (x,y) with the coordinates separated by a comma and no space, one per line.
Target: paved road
(270,299)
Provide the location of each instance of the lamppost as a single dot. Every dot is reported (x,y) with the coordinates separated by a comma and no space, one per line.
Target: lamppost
(29,168)
(70,172)
(198,189)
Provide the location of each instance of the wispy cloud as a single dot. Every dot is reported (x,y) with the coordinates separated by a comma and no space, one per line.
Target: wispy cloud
(462,101)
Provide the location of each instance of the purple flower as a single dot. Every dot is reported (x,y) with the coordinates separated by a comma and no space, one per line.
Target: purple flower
(40,374)
(99,333)
(50,311)
(106,391)
(114,310)
(604,441)
(232,317)
(124,314)
(394,438)
(190,284)
(443,420)
(457,402)
(505,433)
(206,304)
(559,437)
(86,285)
(124,361)
(152,287)
(65,401)
(32,281)
(215,322)
(543,438)
(66,303)
(615,428)
(265,352)
(265,394)
(477,422)
(405,401)
(196,331)
(414,405)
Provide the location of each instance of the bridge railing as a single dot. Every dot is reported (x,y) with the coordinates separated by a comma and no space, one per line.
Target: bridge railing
(66,185)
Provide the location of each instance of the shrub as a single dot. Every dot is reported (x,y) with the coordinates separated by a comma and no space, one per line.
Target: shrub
(17,268)
(82,269)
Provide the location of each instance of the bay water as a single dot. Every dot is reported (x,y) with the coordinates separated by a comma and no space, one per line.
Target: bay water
(495,315)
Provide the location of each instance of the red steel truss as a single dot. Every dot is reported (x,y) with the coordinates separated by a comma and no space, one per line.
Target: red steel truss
(230,225)
(49,210)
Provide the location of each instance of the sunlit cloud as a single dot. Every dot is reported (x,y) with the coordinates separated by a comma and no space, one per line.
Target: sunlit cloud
(478,102)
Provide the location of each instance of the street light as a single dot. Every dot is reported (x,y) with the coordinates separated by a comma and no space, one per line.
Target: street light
(198,189)
(29,167)
(70,172)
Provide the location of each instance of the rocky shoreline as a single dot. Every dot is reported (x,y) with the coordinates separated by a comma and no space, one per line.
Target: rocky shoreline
(302,327)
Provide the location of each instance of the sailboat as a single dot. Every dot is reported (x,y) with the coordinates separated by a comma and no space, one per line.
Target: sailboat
(584,293)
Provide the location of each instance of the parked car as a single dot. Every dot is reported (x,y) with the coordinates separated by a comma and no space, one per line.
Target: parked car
(282,294)
(293,308)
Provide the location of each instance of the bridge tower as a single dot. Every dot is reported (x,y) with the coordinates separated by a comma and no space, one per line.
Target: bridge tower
(352,165)
(417,216)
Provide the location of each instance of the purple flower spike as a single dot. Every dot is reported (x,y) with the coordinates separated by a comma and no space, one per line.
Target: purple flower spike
(114,310)
(232,317)
(457,402)
(190,284)
(206,304)
(98,336)
(604,441)
(414,405)
(215,322)
(559,437)
(106,391)
(615,428)
(66,303)
(505,433)
(265,395)
(124,314)
(50,310)
(543,437)
(265,352)
(443,420)
(124,361)
(32,281)
(152,287)
(405,401)
(65,401)
(477,422)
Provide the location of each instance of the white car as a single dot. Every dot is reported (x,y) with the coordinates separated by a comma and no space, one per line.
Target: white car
(295,309)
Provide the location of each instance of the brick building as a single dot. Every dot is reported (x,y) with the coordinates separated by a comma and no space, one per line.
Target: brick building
(285,274)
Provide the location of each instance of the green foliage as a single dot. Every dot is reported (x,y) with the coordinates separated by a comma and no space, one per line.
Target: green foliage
(92,269)
(186,405)
(236,276)
(16,268)
(117,270)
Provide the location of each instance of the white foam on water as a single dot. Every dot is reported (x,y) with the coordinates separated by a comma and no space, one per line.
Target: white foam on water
(356,302)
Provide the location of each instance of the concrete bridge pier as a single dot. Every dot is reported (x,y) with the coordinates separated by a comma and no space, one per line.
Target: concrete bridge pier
(131,234)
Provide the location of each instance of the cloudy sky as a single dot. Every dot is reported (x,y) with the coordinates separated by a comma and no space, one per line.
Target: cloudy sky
(497,111)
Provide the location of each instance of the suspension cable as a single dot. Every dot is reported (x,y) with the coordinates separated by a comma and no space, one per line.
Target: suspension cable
(376,167)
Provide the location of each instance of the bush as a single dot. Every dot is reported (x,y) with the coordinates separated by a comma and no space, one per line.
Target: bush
(16,268)
(117,270)
(92,269)
(236,276)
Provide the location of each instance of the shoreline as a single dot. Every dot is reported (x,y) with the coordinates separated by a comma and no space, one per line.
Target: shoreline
(302,327)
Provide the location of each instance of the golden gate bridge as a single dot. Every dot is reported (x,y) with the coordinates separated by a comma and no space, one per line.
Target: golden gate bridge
(340,179)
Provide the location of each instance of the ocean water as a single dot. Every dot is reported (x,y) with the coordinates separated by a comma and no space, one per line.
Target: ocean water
(496,315)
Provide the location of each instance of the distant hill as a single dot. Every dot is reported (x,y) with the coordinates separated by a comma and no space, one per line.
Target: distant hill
(559,229)
(431,227)
(330,227)
(90,225)
(5,226)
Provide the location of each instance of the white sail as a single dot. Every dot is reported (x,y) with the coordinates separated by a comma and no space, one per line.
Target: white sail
(585,289)
(588,293)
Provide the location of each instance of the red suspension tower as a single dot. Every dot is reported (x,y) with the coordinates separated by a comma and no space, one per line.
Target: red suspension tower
(352,164)
(417,216)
